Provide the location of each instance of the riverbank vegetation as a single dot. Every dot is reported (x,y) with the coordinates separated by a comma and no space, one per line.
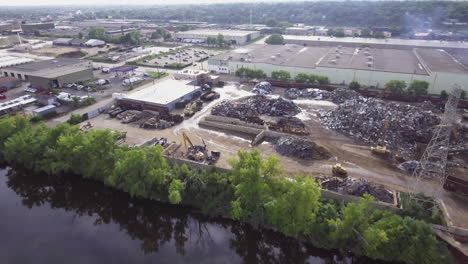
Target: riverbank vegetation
(254,191)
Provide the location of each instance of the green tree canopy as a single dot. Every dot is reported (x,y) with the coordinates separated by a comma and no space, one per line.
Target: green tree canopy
(396,86)
(251,175)
(281,75)
(418,87)
(275,39)
(294,206)
(97,33)
(354,85)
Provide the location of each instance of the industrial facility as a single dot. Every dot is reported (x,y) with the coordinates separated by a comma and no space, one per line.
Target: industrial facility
(233,36)
(373,42)
(161,96)
(31,27)
(342,65)
(53,73)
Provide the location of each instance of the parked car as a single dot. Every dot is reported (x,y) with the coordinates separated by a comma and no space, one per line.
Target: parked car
(105,70)
(2,96)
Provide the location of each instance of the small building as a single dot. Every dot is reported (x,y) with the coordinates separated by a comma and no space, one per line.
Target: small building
(8,83)
(78,42)
(94,43)
(200,77)
(321,31)
(297,31)
(233,36)
(124,70)
(161,96)
(120,32)
(62,41)
(44,110)
(53,73)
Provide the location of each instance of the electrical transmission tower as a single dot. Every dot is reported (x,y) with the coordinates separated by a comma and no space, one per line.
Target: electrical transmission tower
(433,162)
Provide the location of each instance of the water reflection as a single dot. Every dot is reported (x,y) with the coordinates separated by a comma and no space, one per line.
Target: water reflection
(84,221)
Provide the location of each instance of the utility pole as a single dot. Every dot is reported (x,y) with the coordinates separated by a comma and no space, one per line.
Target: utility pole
(433,163)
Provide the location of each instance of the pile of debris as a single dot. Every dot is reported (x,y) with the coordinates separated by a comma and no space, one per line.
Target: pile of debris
(272,106)
(364,119)
(146,119)
(129,116)
(291,125)
(310,93)
(341,95)
(263,88)
(428,106)
(300,148)
(237,110)
(355,187)
(253,106)
(157,142)
(409,166)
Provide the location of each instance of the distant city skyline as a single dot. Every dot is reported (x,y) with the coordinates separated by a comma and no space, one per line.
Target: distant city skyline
(125,2)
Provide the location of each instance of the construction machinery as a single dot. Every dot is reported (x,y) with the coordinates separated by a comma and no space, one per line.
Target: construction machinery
(199,153)
(193,107)
(381,150)
(86,127)
(209,96)
(339,171)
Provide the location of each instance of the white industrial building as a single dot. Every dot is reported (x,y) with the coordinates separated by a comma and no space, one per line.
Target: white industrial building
(239,37)
(94,43)
(368,66)
(373,42)
(161,96)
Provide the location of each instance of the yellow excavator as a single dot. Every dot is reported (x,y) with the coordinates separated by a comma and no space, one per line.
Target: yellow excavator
(381,150)
(196,153)
(339,171)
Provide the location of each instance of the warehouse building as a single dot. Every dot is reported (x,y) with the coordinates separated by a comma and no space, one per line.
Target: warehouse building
(238,37)
(31,27)
(297,31)
(368,66)
(161,96)
(54,73)
(373,42)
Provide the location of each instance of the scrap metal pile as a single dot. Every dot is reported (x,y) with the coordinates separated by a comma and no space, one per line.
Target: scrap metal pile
(309,93)
(252,107)
(263,88)
(341,95)
(300,148)
(291,125)
(355,187)
(364,119)
(145,119)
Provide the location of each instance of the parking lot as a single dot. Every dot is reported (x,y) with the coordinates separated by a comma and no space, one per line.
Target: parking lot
(176,58)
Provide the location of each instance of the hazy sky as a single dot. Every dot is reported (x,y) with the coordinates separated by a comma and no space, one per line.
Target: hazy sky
(119,2)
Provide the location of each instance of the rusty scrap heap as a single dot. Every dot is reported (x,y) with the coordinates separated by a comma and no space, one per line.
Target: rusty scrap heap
(364,118)
(300,148)
(253,106)
(272,107)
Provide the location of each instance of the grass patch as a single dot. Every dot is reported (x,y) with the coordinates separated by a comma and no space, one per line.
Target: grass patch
(157,75)
(100,58)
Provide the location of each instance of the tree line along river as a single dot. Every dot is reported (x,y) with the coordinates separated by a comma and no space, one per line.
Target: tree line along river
(56,219)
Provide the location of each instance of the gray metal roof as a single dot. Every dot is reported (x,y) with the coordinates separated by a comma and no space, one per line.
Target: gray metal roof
(45,64)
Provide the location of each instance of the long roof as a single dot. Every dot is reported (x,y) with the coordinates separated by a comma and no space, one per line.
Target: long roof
(409,61)
(163,92)
(387,42)
(45,64)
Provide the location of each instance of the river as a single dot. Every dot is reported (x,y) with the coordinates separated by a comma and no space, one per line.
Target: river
(70,220)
